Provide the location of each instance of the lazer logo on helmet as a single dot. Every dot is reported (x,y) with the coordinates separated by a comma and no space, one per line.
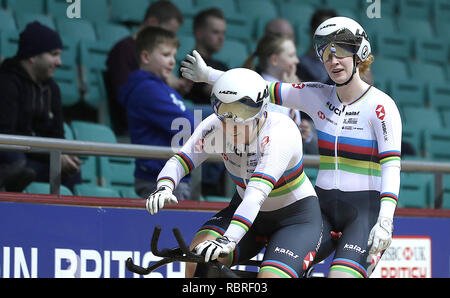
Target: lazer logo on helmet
(265,94)
(228,92)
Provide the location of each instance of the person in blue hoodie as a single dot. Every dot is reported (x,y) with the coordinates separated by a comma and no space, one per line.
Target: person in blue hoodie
(156,113)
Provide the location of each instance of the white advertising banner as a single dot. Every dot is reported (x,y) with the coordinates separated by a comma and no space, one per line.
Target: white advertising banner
(407,257)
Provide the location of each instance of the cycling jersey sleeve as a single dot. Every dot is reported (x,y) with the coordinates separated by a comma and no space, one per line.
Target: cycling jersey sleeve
(191,155)
(276,159)
(302,96)
(387,125)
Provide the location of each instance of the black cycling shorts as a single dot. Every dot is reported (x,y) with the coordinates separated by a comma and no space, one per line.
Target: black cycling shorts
(351,215)
(292,236)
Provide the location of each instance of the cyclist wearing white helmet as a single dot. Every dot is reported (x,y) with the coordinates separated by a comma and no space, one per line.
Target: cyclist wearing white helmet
(359,130)
(274,199)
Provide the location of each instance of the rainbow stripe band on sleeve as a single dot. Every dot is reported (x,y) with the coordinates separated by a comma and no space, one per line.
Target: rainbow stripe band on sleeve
(241,221)
(390,197)
(275,93)
(185,161)
(264,178)
(164,179)
(389,156)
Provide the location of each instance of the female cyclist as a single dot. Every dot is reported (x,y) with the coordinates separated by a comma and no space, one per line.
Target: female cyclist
(274,200)
(359,136)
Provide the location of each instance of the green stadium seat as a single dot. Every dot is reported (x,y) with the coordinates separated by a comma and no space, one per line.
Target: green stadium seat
(25,17)
(393,45)
(129,193)
(446,117)
(233,53)
(187,26)
(92,10)
(227,7)
(187,44)
(384,68)
(437,144)
(349,13)
(259,13)
(93,55)
(415,9)
(240,29)
(439,95)
(422,118)
(347,4)
(95,191)
(431,50)
(76,29)
(9,41)
(299,14)
(68,133)
(407,92)
(413,137)
(92,132)
(446,199)
(385,25)
(428,71)
(187,7)
(441,11)
(111,33)
(66,76)
(7,21)
(123,12)
(416,190)
(312,174)
(36,6)
(216,199)
(415,27)
(44,188)
(442,29)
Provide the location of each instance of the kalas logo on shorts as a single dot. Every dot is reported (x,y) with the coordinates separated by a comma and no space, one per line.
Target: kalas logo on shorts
(380,112)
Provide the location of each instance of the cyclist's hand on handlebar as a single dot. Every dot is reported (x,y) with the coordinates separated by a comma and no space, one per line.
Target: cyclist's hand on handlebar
(156,200)
(212,249)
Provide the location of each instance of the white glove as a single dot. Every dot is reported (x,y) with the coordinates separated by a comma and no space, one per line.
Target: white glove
(195,69)
(212,249)
(380,236)
(157,199)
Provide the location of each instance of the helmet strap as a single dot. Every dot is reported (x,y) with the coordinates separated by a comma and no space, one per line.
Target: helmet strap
(353,73)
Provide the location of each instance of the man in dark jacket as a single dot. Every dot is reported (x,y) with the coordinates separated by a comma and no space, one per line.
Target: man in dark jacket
(30,105)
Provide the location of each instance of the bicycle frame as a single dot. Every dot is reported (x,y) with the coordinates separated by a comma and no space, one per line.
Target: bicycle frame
(183,254)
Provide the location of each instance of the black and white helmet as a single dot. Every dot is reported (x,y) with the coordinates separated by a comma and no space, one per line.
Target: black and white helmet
(342,30)
(240,94)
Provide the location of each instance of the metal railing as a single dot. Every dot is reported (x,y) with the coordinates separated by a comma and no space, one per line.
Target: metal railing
(56,147)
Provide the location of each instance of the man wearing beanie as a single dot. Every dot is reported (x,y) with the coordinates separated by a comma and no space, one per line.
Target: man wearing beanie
(30,105)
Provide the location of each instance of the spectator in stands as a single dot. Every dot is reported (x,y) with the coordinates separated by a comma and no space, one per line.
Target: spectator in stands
(153,107)
(122,59)
(30,105)
(280,26)
(209,31)
(311,69)
(277,56)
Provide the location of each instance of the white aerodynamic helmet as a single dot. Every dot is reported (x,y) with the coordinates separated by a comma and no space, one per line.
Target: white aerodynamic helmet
(345,32)
(240,94)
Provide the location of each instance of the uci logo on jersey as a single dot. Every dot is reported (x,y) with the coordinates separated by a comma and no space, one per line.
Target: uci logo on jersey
(334,109)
